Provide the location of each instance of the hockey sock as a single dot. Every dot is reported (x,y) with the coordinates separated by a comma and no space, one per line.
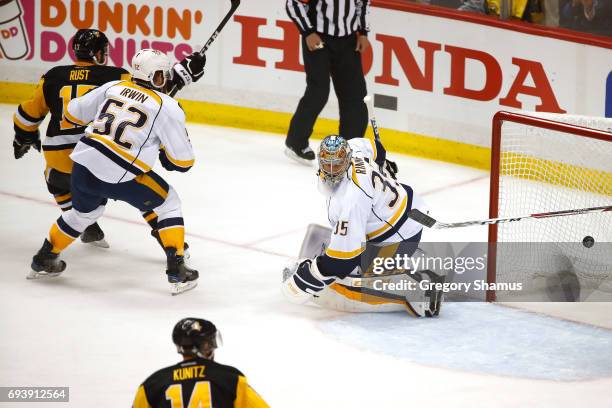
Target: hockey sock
(151,218)
(64,200)
(173,237)
(61,235)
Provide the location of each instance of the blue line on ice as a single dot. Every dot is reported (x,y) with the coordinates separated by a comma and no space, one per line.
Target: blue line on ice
(483,338)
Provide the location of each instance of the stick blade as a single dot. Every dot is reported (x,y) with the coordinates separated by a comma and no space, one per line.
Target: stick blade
(421,218)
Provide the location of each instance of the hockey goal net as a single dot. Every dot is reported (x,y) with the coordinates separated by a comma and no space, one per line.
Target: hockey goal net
(542,163)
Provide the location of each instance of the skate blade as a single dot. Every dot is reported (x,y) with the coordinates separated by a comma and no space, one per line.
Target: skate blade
(181,287)
(100,244)
(42,275)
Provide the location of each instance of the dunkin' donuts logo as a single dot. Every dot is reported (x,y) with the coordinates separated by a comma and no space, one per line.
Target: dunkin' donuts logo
(16,31)
(43,29)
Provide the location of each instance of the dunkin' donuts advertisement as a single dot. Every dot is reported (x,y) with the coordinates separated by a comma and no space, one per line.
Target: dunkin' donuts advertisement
(42,29)
(16,29)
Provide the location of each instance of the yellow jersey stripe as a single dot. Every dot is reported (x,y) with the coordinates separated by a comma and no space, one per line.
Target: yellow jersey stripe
(390,221)
(343,254)
(176,162)
(21,125)
(354,176)
(153,185)
(125,155)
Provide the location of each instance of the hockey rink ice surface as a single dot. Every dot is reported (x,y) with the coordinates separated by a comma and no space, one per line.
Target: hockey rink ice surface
(105,324)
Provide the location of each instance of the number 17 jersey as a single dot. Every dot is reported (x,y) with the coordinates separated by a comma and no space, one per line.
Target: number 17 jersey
(128,125)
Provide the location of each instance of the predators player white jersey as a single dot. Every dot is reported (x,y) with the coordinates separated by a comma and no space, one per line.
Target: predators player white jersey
(128,125)
(365,205)
(368,205)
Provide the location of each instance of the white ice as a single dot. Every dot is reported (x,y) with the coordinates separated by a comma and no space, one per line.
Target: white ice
(104,325)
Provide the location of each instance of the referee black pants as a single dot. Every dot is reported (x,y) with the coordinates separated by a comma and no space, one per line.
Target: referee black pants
(338,60)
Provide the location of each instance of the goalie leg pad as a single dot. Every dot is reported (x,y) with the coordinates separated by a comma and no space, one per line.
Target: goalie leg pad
(425,300)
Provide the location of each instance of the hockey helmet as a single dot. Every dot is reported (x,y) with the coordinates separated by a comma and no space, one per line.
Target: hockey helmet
(147,62)
(88,42)
(334,159)
(194,336)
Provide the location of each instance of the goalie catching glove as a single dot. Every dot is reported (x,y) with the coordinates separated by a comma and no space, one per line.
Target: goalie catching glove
(302,280)
(189,70)
(24,140)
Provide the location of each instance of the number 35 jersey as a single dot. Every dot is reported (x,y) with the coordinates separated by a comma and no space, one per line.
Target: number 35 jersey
(369,206)
(128,126)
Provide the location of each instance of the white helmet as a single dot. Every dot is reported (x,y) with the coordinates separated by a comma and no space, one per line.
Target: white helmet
(147,62)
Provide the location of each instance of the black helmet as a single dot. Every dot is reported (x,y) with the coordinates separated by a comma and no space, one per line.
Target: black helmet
(87,43)
(194,336)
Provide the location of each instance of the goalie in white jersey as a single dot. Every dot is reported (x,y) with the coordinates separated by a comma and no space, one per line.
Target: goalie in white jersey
(130,124)
(365,205)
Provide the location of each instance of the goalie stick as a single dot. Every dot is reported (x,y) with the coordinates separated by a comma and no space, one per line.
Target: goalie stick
(431,222)
(369,101)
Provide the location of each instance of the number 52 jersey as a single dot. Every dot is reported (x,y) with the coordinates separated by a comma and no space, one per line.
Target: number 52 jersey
(128,126)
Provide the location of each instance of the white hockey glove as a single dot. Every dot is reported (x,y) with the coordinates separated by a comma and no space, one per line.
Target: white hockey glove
(302,280)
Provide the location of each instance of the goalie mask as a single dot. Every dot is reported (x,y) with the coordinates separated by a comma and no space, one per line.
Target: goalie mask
(334,159)
(196,337)
(147,63)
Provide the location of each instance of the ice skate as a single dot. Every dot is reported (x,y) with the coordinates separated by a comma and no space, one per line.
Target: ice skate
(46,264)
(303,156)
(95,236)
(180,276)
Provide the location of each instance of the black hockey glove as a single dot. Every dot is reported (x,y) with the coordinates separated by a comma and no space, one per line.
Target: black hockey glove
(24,140)
(391,168)
(189,70)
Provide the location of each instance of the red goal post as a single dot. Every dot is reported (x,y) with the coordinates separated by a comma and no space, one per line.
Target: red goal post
(550,162)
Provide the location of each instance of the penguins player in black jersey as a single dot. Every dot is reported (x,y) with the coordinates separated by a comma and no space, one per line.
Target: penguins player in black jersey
(198,380)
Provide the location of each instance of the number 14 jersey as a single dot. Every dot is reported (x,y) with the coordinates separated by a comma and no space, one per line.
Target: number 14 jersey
(128,125)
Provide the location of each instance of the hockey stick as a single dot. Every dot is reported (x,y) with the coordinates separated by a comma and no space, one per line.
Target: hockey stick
(430,222)
(234,5)
(369,101)
(215,34)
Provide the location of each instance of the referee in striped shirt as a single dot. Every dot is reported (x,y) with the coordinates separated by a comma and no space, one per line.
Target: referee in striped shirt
(334,34)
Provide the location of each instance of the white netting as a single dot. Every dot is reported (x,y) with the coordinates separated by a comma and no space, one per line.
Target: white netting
(542,170)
